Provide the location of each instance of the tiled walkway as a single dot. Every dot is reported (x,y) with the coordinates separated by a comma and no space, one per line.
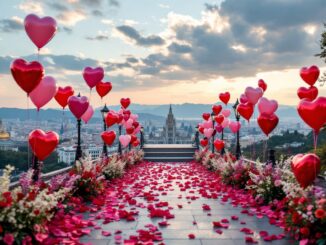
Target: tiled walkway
(179,188)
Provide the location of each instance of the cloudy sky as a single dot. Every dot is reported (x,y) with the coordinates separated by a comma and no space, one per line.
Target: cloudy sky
(168,51)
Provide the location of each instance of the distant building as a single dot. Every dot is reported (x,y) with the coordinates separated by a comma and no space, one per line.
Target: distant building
(169,133)
(66,154)
(5,143)
(169,130)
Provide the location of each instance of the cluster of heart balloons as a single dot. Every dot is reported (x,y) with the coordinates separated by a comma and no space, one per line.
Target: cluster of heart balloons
(125,119)
(93,78)
(312,109)
(221,117)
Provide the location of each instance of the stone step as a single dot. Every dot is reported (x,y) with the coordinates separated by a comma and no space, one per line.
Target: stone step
(168,159)
(167,154)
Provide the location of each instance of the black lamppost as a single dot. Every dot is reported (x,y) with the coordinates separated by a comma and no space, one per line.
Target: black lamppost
(141,137)
(79,152)
(213,136)
(197,137)
(237,117)
(119,147)
(104,113)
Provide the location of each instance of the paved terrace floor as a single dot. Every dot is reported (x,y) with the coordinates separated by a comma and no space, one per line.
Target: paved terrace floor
(177,187)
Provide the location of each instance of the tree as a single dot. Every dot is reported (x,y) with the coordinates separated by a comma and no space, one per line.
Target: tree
(322,54)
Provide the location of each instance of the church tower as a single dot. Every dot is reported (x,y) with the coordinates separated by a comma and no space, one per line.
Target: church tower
(170,128)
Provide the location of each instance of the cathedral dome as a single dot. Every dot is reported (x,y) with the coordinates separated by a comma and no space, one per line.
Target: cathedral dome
(3,134)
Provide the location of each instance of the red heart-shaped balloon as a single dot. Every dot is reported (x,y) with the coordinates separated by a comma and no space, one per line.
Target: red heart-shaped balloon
(43,144)
(78,105)
(204,142)
(245,110)
(63,95)
(120,118)
(27,74)
(267,122)
(310,93)
(133,138)
(130,130)
(103,88)
(108,137)
(111,119)
(313,113)
(206,116)
(310,75)
(135,124)
(219,144)
(135,143)
(216,109)
(219,119)
(262,84)
(305,168)
(201,130)
(125,102)
(225,97)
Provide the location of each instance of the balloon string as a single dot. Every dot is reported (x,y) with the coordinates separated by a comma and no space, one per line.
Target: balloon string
(315,135)
(38,55)
(90,95)
(27,104)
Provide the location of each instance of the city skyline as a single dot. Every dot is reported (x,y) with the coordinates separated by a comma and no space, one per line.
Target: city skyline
(183,54)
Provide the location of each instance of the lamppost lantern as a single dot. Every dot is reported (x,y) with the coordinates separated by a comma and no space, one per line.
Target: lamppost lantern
(141,137)
(235,108)
(104,113)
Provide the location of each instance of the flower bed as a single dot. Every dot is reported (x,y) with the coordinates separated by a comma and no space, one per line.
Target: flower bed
(301,212)
(25,212)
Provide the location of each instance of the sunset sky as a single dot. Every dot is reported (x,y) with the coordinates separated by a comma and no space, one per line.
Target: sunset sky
(168,51)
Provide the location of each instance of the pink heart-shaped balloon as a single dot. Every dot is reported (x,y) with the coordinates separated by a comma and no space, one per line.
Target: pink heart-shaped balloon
(40,30)
(208,132)
(78,105)
(128,123)
(124,140)
(267,106)
(92,76)
(208,124)
(44,92)
(88,114)
(253,94)
(243,99)
(219,128)
(226,112)
(225,122)
(234,126)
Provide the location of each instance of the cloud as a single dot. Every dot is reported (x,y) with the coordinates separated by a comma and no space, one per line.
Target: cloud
(114,3)
(99,37)
(31,7)
(179,48)
(11,25)
(133,34)
(71,17)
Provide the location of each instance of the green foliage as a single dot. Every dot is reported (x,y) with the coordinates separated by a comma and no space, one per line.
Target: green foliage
(322,43)
(20,160)
(276,141)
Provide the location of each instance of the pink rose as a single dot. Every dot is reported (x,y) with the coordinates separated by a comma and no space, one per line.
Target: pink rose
(9,239)
(277,183)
